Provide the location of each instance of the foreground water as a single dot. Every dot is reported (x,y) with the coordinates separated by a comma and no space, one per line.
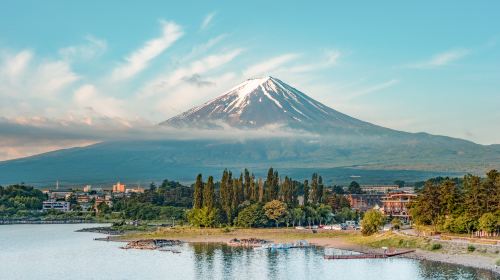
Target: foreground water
(58,252)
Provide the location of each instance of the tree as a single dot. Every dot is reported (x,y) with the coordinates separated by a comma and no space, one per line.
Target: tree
(448,196)
(338,189)
(297,215)
(251,216)
(354,188)
(269,185)
(275,210)
(204,217)
(372,222)
(247,192)
(324,213)
(314,188)
(226,195)
(198,193)
(489,222)
(306,192)
(396,223)
(320,190)
(209,194)
(261,190)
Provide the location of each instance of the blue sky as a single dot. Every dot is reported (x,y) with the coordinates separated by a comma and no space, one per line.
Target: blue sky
(108,65)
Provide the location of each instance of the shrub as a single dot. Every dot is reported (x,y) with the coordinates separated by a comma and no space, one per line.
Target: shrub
(471,248)
(436,246)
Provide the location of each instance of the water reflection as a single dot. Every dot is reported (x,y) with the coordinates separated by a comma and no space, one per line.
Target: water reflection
(219,261)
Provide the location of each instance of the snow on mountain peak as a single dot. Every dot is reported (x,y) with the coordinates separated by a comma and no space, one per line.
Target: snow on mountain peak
(263,101)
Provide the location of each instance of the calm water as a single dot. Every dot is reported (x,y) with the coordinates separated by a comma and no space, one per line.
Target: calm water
(57,252)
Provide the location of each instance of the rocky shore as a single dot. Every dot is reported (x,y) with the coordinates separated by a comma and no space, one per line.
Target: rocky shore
(151,244)
(103,230)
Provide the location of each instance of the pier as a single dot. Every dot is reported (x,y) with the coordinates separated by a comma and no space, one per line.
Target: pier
(366,256)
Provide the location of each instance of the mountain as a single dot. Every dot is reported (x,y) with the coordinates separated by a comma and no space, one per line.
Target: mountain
(261,102)
(317,138)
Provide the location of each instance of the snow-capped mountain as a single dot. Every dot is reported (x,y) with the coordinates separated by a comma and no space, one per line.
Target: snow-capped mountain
(267,101)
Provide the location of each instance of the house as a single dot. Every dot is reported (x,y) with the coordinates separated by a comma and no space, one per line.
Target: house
(364,202)
(396,205)
(379,188)
(56,205)
(135,190)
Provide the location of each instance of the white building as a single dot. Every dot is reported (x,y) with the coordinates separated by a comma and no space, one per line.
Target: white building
(56,205)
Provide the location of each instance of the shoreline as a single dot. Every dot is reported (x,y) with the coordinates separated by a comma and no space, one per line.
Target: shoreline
(338,241)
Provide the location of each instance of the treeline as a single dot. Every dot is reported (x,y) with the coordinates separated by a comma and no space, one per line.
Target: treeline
(249,202)
(164,202)
(460,206)
(19,200)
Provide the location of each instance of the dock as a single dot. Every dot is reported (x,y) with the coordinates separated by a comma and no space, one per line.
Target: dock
(366,256)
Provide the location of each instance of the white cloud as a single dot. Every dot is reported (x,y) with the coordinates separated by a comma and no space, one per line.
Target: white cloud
(441,59)
(178,76)
(51,77)
(139,59)
(207,20)
(266,67)
(87,96)
(16,65)
(93,47)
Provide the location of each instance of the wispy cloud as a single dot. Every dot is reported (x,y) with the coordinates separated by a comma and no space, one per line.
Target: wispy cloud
(139,59)
(372,88)
(199,67)
(207,20)
(441,59)
(93,47)
(266,67)
(329,59)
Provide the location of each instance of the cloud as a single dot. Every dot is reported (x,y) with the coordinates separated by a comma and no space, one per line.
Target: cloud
(372,89)
(93,47)
(139,59)
(198,67)
(23,76)
(267,66)
(441,59)
(87,96)
(197,80)
(329,59)
(207,20)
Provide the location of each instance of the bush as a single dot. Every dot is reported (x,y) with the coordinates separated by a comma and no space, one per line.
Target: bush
(471,248)
(498,262)
(436,246)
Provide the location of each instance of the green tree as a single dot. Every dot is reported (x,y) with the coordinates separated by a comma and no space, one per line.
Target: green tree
(251,216)
(396,223)
(354,188)
(204,217)
(198,193)
(372,222)
(489,222)
(306,192)
(209,194)
(275,210)
(297,215)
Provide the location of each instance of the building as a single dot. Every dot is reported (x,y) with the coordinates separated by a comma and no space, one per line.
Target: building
(396,205)
(87,188)
(379,188)
(83,199)
(135,190)
(55,195)
(364,202)
(56,205)
(119,188)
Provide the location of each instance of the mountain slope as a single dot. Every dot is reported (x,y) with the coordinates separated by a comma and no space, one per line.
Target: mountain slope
(269,101)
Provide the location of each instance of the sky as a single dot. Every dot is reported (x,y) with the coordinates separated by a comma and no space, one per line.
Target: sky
(75,73)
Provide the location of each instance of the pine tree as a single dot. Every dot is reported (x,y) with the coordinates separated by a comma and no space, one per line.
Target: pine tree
(269,185)
(275,186)
(226,195)
(198,193)
(320,189)
(261,190)
(247,192)
(314,188)
(306,192)
(253,189)
(209,194)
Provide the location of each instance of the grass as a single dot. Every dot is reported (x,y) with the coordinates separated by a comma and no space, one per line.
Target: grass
(231,232)
(389,239)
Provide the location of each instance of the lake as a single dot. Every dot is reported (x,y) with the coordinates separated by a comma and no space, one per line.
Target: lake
(58,252)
